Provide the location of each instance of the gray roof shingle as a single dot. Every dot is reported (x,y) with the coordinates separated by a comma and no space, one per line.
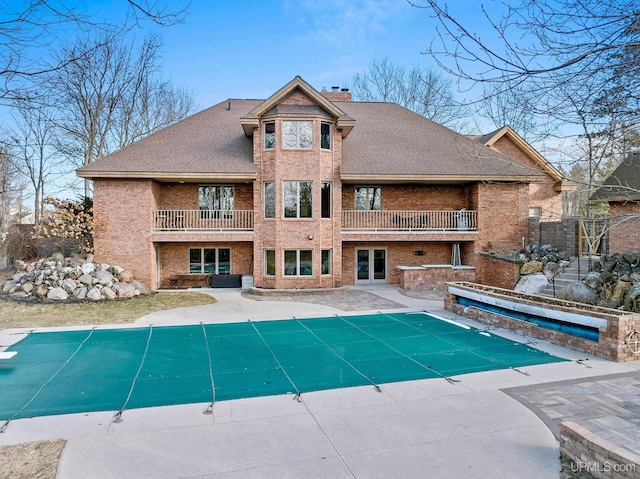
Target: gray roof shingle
(388,140)
(623,184)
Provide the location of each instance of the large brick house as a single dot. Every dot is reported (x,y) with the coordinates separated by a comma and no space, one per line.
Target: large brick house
(309,189)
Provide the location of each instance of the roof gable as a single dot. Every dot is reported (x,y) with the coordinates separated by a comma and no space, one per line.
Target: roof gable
(291,95)
(507,133)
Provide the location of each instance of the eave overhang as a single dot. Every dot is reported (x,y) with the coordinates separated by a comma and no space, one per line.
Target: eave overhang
(353,178)
(171,177)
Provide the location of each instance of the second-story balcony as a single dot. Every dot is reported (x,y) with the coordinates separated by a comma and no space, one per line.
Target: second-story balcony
(410,221)
(202,220)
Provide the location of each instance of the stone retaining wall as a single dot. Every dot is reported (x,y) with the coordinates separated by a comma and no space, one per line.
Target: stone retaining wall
(594,455)
(612,339)
(433,276)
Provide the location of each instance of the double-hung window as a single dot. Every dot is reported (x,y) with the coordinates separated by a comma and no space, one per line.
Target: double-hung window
(209,261)
(325,200)
(368,198)
(297,134)
(214,199)
(325,136)
(269,135)
(298,199)
(269,199)
(298,262)
(270,262)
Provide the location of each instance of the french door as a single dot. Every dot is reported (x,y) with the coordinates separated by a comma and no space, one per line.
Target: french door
(371,266)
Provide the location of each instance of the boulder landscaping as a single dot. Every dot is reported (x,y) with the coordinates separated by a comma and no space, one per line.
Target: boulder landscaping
(71,279)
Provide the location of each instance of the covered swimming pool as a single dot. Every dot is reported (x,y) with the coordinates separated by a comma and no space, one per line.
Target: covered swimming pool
(119,369)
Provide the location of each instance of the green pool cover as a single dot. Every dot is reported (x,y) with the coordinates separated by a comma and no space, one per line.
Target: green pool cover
(118,369)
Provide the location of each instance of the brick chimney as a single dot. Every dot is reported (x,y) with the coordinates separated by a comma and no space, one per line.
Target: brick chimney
(337,94)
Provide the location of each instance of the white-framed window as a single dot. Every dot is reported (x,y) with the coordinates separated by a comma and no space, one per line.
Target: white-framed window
(298,199)
(325,261)
(269,262)
(325,136)
(209,261)
(298,262)
(269,135)
(368,198)
(297,134)
(212,199)
(325,199)
(269,199)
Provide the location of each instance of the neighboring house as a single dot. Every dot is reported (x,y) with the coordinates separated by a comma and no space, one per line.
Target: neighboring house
(621,189)
(544,201)
(308,189)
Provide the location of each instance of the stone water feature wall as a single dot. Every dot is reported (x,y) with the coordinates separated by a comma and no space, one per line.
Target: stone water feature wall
(612,342)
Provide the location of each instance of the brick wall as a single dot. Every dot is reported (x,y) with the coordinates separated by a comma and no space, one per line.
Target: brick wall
(625,227)
(316,165)
(596,456)
(184,196)
(174,258)
(496,272)
(503,215)
(433,277)
(542,193)
(413,197)
(398,254)
(123,235)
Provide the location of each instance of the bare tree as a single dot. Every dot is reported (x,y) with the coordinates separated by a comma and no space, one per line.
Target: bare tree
(29,29)
(421,90)
(31,150)
(543,44)
(110,97)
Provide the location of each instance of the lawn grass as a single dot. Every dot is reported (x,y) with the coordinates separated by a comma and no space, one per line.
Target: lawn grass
(14,314)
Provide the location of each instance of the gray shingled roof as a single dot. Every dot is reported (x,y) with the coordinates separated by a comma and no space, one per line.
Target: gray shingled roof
(623,184)
(387,140)
(211,141)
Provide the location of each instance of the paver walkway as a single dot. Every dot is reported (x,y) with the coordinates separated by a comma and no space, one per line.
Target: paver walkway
(608,406)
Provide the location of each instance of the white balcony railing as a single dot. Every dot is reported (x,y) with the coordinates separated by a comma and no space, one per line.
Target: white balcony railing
(460,220)
(203,220)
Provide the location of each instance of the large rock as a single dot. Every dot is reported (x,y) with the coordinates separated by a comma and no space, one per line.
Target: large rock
(104,278)
(124,290)
(69,285)
(85,279)
(88,268)
(108,293)
(80,293)
(27,287)
(140,287)
(8,286)
(531,267)
(578,292)
(94,294)
(41,290)
(125,276)
(531,283)
(57,294)
(593,280)
(620,290)
(632,299)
